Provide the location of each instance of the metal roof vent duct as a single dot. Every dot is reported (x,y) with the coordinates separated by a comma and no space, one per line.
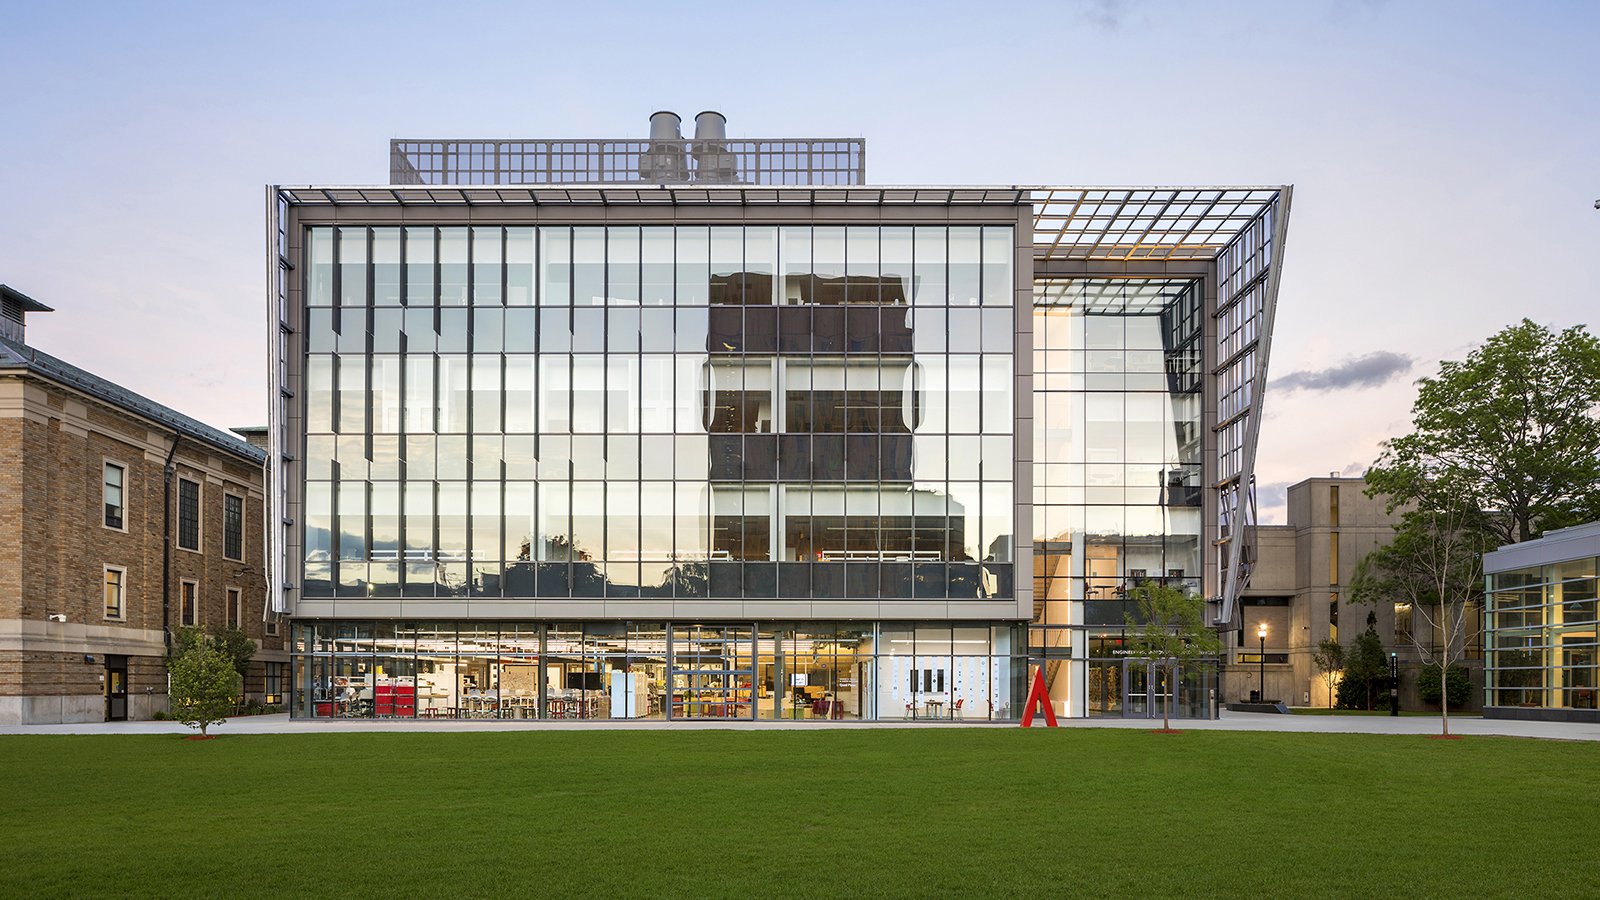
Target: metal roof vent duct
(664,126)
(665,160)
(712,161)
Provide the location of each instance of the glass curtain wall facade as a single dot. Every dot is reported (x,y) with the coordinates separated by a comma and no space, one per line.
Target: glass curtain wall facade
(803,412)
(1118,463)
(1541,636)
(738,412)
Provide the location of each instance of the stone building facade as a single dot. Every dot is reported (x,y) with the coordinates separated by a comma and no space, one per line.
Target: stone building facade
(86,597)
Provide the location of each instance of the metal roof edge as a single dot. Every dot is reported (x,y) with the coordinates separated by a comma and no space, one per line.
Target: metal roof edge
(27,303)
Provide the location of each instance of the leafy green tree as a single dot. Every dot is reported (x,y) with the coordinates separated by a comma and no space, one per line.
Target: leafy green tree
(239,648)
(1457,685)
(1366,669)
(1513,429)
(1170,631)
(204,684)
(1329,660)
(1434,565)
(236,644)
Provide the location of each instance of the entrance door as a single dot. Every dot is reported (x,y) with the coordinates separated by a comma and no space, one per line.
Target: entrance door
(1135,690)
(116,688)
(1105,687)
(1147,691)
(713,671)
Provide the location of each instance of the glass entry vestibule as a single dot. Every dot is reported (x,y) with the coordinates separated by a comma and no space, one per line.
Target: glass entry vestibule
(625,670)
(1134,689)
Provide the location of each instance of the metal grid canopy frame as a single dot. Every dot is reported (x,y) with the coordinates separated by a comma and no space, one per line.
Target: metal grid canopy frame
(647,194)
(776,161)
(1146,223)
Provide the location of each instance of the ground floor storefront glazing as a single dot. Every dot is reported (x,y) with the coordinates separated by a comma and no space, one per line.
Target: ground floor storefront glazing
(849,670)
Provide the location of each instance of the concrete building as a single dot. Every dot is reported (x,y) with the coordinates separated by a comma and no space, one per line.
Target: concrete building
(1299,590)
(89,588)
(688,427)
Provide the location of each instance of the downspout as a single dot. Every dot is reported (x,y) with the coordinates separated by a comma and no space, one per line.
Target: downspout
(166,542)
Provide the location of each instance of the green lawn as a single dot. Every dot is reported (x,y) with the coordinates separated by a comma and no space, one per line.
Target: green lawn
(1039,813)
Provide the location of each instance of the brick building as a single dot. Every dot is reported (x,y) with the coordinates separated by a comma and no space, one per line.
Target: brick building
(89,590)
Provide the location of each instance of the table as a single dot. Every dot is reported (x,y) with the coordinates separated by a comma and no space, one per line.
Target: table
(935,708)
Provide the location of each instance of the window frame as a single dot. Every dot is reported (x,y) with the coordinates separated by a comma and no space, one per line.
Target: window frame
(121,615)
(226,495)
(273,675)
(105,463)
(233,606)
(193,588)
(199,517)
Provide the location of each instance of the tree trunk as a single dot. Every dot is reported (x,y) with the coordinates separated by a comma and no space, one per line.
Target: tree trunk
(1172,695)
(1444,699)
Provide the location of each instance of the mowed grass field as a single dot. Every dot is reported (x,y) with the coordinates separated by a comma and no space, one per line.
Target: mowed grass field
(831,813)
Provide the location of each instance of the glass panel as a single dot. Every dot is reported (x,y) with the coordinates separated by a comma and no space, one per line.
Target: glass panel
(319,265)
(656,276)
(929,283)
(555,264)
(588,266)
(487,257)
(519,266)
(419,267)
(997,260)
(965,255)
(452,267)
(694,268)
(352,267)
(386,266)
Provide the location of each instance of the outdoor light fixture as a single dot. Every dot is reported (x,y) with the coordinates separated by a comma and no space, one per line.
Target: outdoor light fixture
(1262,633)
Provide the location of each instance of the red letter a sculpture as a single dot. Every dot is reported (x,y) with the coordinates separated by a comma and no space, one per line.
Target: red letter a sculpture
(1038,695)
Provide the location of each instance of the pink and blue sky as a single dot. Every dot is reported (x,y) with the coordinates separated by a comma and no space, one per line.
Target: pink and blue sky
(1445,156)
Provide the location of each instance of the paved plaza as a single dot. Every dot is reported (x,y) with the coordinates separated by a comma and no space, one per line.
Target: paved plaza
(1230,721)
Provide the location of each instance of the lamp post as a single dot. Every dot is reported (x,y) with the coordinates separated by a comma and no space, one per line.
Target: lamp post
(1261,632)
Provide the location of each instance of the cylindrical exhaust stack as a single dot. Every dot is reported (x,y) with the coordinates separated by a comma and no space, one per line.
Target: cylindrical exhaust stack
(664,126)
(710,126)
(712,162)
(665,159)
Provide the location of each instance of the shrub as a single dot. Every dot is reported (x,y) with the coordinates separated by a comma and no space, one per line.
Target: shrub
(1457,684)
(1366,670)
(160,715)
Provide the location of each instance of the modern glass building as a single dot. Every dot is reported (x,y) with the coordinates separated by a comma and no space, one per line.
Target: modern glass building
(674,446)
(1541,627)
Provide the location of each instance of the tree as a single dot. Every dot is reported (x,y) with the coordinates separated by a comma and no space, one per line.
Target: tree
(1434,564)
(203,684)
(1365,668)
(240,649)
(1329,660)
(1172,632)
(1513,429)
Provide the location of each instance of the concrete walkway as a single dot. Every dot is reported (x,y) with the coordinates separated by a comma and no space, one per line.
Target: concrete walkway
(1230,721)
